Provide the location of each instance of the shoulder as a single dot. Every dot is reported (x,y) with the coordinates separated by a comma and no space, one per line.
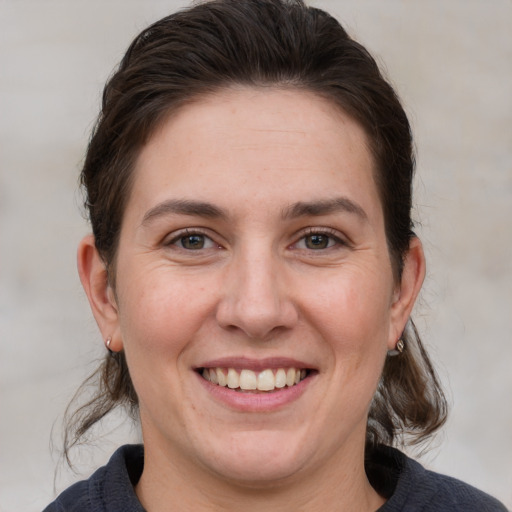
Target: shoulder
(452,494)
(417,489)
(110,488)
(73,499)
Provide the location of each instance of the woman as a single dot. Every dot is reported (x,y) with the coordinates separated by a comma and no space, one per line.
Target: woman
(252,271)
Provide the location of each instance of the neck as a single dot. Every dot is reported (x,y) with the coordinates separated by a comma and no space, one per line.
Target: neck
(170,481)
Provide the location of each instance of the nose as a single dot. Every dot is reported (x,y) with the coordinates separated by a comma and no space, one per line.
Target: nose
(256,298)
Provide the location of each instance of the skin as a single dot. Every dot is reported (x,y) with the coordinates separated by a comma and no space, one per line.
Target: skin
(257,289)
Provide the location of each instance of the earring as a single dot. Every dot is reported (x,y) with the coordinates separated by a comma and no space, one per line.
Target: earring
(108,341)
(399,348)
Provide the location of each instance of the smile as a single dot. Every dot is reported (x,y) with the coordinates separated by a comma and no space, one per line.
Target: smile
(253,382)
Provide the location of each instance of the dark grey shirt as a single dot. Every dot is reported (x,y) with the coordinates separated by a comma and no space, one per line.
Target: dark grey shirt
(407,485)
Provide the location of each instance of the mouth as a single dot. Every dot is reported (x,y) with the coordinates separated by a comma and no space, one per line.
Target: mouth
(249,381)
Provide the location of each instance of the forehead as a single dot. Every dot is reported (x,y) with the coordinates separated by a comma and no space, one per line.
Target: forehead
(263,142)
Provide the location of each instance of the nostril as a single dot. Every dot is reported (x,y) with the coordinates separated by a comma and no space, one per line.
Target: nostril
(256,320)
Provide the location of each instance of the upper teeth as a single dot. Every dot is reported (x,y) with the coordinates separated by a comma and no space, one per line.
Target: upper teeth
(266,380)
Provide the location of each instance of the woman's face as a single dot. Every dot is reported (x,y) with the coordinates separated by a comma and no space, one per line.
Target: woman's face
(253,251)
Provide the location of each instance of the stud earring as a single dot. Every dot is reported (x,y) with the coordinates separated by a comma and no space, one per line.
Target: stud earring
(108,341)
(399,348)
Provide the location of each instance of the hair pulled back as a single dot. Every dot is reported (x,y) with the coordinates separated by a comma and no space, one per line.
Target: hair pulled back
(259,43)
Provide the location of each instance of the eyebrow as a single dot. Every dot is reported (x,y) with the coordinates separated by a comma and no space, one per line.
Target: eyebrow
(295,210)
(183,207)
(324,207)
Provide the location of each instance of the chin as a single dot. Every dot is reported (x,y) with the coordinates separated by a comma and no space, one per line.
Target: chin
(255,459)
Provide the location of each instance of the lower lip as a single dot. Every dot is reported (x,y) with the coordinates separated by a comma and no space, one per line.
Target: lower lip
(257,402)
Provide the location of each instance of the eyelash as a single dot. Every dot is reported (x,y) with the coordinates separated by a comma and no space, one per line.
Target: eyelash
(188,233)
(331,235)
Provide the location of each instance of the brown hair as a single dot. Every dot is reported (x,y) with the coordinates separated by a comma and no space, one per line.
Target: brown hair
(278,43)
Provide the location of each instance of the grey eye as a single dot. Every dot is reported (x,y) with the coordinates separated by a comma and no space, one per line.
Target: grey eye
(318,241)
(194,242)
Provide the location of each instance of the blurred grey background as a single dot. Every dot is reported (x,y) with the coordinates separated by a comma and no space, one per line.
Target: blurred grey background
(451,61)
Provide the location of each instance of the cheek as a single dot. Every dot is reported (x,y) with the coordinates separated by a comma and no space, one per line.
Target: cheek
(353,305)
(352,314)
(159,323)
(160,313)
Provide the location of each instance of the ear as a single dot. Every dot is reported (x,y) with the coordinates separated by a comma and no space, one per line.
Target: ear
(94,278)
(405,295)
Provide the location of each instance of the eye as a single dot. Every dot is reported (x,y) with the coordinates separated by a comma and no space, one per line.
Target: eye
(193,242)
(318,240)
